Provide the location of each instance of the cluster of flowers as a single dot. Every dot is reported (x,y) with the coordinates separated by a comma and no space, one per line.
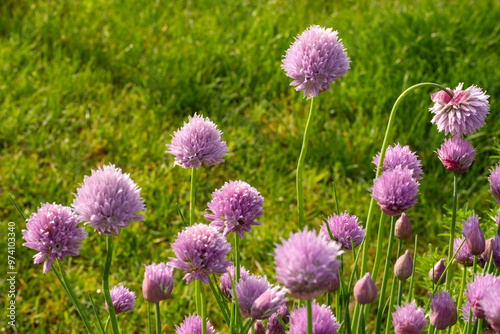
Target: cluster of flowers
(308,263)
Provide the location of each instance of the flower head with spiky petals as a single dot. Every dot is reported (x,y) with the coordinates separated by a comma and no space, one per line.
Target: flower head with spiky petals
(192,325)
(258,299)
(200,251)
(494,179)
(491,307)
(274,325)
(462,114)
(324,322)
(408,319)
(108,200)
(395,191)
(123,299)
(158,282)
(53,232)
(456,154)
(443,311)
(476,290)
(316,59)
(234,208)
(463,256)
(197,143)
(306,263)
(474,237)
(401,156)
(344,227)
(225,281)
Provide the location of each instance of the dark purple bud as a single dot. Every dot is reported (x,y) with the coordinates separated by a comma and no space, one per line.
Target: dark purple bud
(473,235)
(436,272)
(495,250)
(365,291)
(258,328)
(334,284)
(487,250)
(403,227)
(404,266)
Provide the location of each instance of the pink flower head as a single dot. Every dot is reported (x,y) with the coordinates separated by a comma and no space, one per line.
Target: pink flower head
(462,114)
(456,154)
(192,325)
(400,156)
(477,289)
(158,282)
(408,319)
(443,311)
(316,59)
(123,299)
(225,281)
(474,236)
(324,322)
(53,232)
(345,230)
(494,179)
(491,306)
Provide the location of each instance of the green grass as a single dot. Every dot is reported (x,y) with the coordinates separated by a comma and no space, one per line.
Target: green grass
(83,83)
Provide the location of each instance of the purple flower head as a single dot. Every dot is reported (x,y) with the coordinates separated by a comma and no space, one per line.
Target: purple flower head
(306,263)
(463,256)
(192,325)
(274,325)
(235,207)
(123,299)
(402,229)
(53,232)
(494,179)
(200,251)
(473,234)
(456,154)
(257,298)
(316,59)
(395,191)
(258,328)
(443,311)
(365,291)
(408,319)
(491,307)
(324,322)
(225,282)
(465,310)
(400,156)
(197,143)
(158,282)
(343,228)
(476,290)
(108,200)
(462,114)
(437,271)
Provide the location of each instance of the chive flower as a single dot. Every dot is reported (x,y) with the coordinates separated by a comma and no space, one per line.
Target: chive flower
(192,325)
(316,59)
(365,291)
(474,236)
(494,179)
(123,299)
(235,207)
(197,143)
(108,200)
(443,312)
(462,114)
(200,251)
(306,263)
(408,319)
(476,290)
(324,322)
(343,228)
(158,282)
(400,156)
(225,281)
(274,325)
(456,154)
(53,232)
(491,307)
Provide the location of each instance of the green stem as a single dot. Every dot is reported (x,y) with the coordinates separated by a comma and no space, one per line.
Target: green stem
(107,324)
(393,290)
(191,197)
(309,316)
(149,318)
(385,279)
(410,291)
(237,272)
(71,294)
(300,167)
(157,313)
(203,308)
(329,299)
(452,229)
(105,285)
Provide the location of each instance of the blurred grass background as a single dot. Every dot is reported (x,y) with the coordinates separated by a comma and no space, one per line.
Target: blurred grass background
(84,83)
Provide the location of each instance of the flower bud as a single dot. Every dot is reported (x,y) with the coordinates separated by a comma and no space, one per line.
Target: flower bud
(474,236)
(258,328)
(334,284)
(403,227)
(404,266)
(443,310)
(487,250)
(274,325)
(365,291)
(436,272)
(495,250)
(158,282)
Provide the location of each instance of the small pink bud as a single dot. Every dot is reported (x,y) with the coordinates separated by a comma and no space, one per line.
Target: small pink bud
(258,328)
(365,291)
(158,282)
(403,228)
(404,266)
(436,272)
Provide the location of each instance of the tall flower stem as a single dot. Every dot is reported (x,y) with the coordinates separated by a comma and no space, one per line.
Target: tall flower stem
(191,197)
(203,307)
(385,279)
(105,285)
(158,323)
(300,166)
(385,143)
(149,319)
(461,294)
(393,291)
(237,272)
(309,316)
(452,229)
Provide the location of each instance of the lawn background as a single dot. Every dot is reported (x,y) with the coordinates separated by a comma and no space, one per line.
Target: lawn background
(84,83)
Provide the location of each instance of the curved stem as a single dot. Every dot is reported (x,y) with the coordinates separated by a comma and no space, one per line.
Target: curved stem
(309,317)
(300,167)
(385,279)
(157,313)
(105,285)
(452,229)
(191,197)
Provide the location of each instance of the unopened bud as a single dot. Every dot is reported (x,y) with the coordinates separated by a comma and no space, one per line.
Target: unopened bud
(365,291)
(334,284)
(258,328)
(402,230)
(404,266)
(436,272)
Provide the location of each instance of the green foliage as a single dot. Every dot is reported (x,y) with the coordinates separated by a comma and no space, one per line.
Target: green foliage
(87,82)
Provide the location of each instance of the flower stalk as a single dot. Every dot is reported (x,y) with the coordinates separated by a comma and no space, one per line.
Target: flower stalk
(105,285)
